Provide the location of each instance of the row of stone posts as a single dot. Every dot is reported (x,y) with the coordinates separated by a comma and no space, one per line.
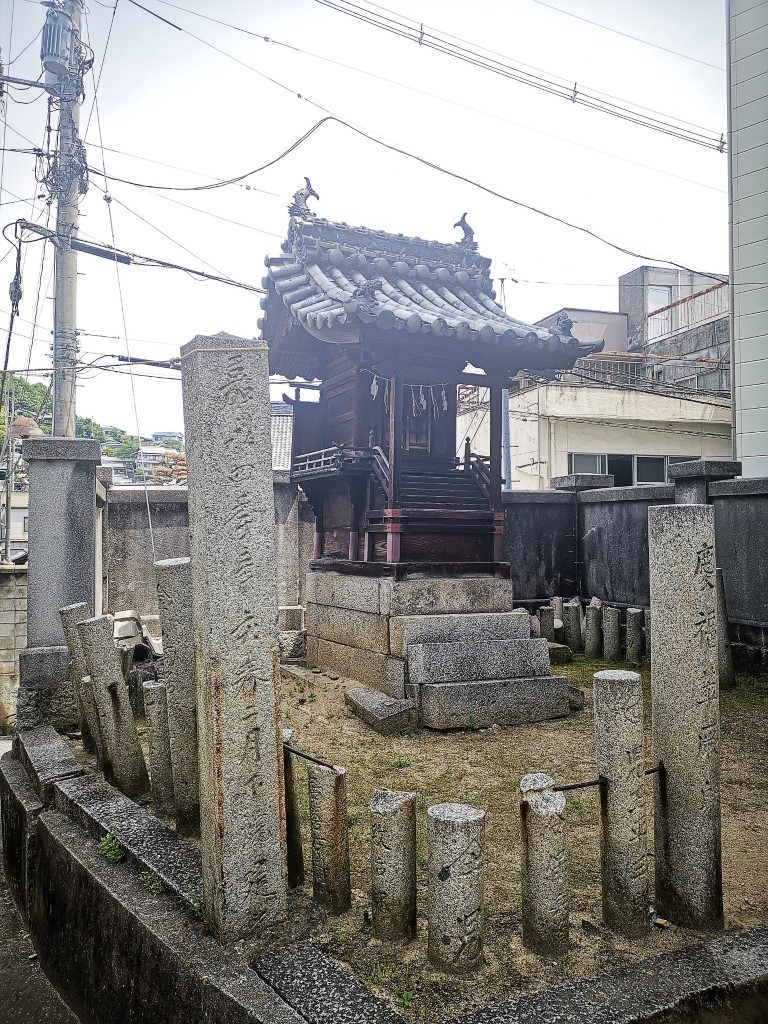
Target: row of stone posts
(596,630)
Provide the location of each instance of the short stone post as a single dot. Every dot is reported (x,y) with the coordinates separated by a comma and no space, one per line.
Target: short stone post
(330,837)
(124,764)
(61,572)
(572,624)
(724,653)
(634,635)
(234,612)
(158,741)
(393,864)
(294,850)
(89,722)
(174,593)
(547,622)
(593,633)
(619,749)
(455,837)
(543,865)
(685,714)
(611,634)
(557,605)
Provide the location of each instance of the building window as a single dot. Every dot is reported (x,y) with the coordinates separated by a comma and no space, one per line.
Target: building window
(650,469)
(583,463)
(660,323)
(621,469)
(26,524)
(658,297)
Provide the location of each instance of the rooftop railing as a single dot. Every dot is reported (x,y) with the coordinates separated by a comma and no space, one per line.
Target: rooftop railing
(698,308)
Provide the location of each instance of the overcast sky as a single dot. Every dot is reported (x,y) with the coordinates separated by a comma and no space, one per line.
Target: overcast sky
(167,97)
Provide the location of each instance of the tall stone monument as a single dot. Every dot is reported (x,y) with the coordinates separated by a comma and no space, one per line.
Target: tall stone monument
(685,714)
(62,560)
(225,384)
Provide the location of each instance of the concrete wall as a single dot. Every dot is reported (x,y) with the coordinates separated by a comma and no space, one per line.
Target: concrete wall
(13,637)
(594,325)
(633,294)
(748,158)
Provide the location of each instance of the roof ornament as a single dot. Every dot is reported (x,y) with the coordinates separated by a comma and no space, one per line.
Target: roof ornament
(366,294)
(563,324)
(298,207)
(469,235)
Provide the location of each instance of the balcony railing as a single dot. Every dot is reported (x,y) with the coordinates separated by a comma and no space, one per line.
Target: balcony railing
(688,312)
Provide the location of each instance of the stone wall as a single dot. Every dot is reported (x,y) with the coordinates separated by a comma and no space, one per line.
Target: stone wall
(13,637)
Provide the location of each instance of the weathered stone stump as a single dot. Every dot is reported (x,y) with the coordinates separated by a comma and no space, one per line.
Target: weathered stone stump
(86,706)
(557,605)
(611,634)
(634,638)
(593,632)
(572,624)
(330,837)
(124,763)
(547,622)
(393,864)
(685,714)
(543,866)
(725,671)
(158,741)
(234,614)
(294,851)
(618,699)
(174,593)
(455,836)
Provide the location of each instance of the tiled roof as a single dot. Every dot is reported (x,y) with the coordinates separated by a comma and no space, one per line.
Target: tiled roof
(282,431)
(333,276)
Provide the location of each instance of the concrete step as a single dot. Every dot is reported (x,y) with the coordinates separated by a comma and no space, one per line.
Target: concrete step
(464,662)
(386,715)
(485,702)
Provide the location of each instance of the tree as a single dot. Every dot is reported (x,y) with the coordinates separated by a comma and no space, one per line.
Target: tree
(172,469)
(87,427)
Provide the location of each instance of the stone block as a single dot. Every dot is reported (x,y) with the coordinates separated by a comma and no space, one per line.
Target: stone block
(45,690)
(293,644)
(393,864)
(543,866)
(357,593)
(352,628)
(321,990)
(46,758)
(494,702)
(159,744)
(330,837)
(19,809)
(455,839)
(386,715)
(419,629)
(148,843)
(487,659)
(439,596)
(376,670)
(559,654)
(290,617)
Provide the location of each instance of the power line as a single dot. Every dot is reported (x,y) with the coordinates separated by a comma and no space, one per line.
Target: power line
(628,35)
(544,82)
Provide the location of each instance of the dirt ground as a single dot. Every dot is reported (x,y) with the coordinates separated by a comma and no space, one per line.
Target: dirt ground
(483,768)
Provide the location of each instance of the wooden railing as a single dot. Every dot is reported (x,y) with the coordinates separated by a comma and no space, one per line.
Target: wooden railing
(333,461)
(479,467)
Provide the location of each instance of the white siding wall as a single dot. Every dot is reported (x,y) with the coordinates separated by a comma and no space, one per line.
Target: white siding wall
(748,143)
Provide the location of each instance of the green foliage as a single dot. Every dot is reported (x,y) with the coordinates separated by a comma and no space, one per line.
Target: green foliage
(87,427)
(577,805)
(111,848)
(406,999)
(472,723)
(151,882)
(402,762)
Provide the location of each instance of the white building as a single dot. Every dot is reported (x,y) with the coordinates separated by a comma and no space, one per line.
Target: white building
(149,456)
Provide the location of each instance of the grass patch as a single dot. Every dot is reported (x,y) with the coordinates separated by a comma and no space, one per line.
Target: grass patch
(111,848)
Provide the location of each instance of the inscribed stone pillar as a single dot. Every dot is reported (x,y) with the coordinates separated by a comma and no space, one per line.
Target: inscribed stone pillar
(225,384)
(294,850)
(593,632)
(685,714)
(62,553)
(619,750)
(557,604)
(330,837)
(547,623)
(86,706)
(174,595)
(634,637)
(393,864)
(455,838)
(572,624)
(158,741)
(611,634)
(543,863)
(724,653)
(124,763)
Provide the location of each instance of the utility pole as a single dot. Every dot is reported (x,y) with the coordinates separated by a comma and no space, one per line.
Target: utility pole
(65,62)
(8,471)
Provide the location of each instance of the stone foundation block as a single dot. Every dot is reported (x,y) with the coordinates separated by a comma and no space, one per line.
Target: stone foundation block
(494,702)
(45,691)
(46,758)
(20,808)
(386,715)
(419,629)
(376,670)
(356,593)
(487,659)
(290,617)
(445,596)
(353,628)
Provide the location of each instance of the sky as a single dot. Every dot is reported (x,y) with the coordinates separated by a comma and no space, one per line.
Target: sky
(221,104)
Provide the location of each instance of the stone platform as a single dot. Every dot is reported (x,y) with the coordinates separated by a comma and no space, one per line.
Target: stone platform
(452,646)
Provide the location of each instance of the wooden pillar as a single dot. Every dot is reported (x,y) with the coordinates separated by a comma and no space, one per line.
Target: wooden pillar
(495,470)
(317,546)
(395,457)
